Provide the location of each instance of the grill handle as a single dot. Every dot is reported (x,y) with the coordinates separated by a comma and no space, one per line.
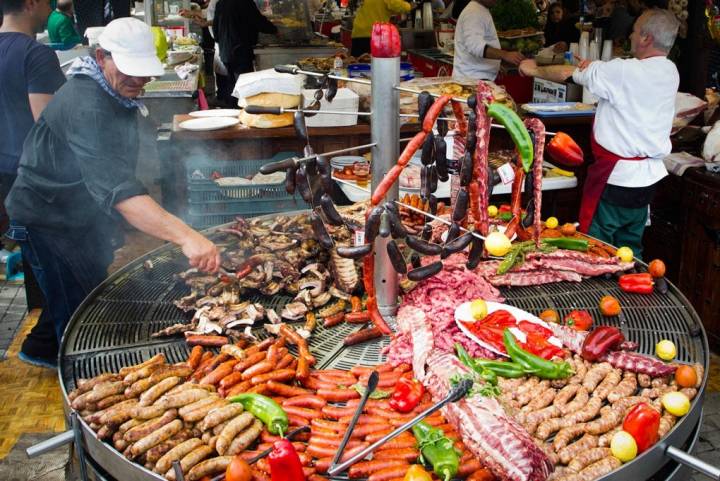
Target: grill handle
(692,462)
(49,444)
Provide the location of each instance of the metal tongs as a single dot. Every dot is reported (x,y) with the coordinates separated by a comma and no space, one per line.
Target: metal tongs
(457,393)
(369,389)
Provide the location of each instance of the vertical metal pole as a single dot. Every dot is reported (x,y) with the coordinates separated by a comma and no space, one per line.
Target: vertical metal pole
(385,131)
(77,429)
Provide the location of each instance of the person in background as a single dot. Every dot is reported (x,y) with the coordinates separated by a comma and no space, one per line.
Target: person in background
(458,7)
(76,178)
(61,27)
(370,12)
(29,76)
(477,48)
(236,25)
(631,133)
(559,31)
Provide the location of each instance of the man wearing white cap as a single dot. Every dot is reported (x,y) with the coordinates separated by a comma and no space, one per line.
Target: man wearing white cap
(76,178)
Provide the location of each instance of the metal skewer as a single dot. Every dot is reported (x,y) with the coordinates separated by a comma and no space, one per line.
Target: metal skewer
(457,393)
(294,70)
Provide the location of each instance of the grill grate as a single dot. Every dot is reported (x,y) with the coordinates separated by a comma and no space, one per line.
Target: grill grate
(112,328)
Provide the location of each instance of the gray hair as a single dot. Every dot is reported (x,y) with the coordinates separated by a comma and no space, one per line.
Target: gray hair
(662,25)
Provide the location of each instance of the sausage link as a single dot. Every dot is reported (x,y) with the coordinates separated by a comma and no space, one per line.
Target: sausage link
(148,427)
(235,426)
(156,437)
(219,415)
(209,467)
(152,394)
(176,453)
(190,460)
(243,440)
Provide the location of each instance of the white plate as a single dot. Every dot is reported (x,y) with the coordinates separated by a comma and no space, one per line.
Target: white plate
(215,113)
(343,160)
(462,314)
(209,123)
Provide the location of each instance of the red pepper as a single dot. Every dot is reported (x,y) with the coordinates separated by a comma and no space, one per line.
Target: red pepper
(499,318)
(407,395)
(385,40)
(579,320)
(643,423)
(530,327)
(537,343)
(641,283)
(600,341)
(563,150)
(285,463)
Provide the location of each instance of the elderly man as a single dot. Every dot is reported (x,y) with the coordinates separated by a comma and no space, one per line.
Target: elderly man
(61,27)
(477,48)
(631,135)
(77,174)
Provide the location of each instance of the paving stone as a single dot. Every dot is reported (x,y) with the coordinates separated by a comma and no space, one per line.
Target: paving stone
(47,467)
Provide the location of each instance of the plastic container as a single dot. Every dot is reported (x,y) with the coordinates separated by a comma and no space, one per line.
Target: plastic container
(210,204)
(364,70)
(345,101)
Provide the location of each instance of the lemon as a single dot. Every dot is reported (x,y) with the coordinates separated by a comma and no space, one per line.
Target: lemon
(665,350)
(623,446)
(497,244)
(625,254)
(492,211)
(552,223)
(676,403)
(478,309)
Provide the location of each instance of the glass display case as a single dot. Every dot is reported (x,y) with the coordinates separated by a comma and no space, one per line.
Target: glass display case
(292,19)
(166,13)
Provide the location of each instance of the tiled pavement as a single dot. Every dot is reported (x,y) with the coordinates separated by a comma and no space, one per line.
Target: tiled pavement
(13,309)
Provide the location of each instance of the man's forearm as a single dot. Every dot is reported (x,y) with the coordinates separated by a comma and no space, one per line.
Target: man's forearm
(494,53)
(555,73)
(146,215)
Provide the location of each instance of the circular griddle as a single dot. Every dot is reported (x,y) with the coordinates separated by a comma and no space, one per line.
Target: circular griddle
(111,329)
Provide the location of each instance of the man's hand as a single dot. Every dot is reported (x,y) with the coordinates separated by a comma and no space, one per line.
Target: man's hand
(582,64)
(528,68)
(560,47)
(201,252)
(513,58)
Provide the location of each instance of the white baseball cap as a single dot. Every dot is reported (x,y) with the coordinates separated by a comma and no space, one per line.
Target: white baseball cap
(130,41)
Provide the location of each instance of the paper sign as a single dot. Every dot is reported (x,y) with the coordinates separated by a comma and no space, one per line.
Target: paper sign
(506,172)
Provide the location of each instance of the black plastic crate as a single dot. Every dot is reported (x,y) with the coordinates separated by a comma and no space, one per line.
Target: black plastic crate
(210,204)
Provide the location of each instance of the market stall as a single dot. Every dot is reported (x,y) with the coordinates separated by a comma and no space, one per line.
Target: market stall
(352,323)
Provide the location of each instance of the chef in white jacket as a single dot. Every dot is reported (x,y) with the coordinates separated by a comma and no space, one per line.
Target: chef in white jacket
(631,133)
(477,49)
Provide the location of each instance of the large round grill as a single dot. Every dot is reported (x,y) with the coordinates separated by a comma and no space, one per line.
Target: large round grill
(112,328)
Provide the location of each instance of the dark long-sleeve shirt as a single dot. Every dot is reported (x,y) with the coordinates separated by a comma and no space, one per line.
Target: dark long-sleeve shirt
(78,162)
(236,25)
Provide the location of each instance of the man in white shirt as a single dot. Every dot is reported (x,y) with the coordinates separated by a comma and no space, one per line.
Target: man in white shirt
(477,49)
(631,134)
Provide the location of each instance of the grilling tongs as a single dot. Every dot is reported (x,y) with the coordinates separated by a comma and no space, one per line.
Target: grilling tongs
(455,394)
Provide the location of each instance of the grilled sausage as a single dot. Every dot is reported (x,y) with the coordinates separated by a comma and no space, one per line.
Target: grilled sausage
(475,255)
(183,411)
(209,467)
(182,398)
(321,233)
(156,359)
(457,244)
(422,273)
(372,224)
(396,258)
(235,426)
(243,440)
(140,374)
(176,453)
(156,437)
(219,415)
(190,460)
(331,213)
(354,252)
(423,247)
(198,414)
(362,335)
(148,427)
(152,394)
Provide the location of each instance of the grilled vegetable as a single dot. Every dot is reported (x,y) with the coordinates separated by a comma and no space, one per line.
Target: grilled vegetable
(407,395)
(542,368)
(285,463)
(641,283)
(437,449)
(563,150)
(567,243)
(579,319)
(518,133)
(600,341)
(265,409)
(643,423)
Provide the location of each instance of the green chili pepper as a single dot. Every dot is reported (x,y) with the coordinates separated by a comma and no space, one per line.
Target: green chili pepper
(543,368)
(266,410)
(507,216)
(506,369)
(508,262)
(437,449)
(568,243)
(518,133)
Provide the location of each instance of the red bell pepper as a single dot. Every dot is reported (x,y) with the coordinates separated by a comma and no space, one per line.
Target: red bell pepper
(539,345)
(563,150)
(641,283)
(385,40)
(285,464)
(407,395)
(579,320)
(530,327)
(643,423)
(600,341)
